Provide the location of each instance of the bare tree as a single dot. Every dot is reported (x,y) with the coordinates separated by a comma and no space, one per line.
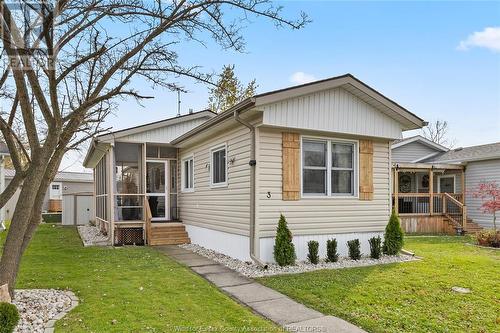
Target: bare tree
(437,132)
(67,62)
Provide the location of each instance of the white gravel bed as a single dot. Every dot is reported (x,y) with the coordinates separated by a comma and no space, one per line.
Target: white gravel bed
(252,270)
(39,306)
(92,236)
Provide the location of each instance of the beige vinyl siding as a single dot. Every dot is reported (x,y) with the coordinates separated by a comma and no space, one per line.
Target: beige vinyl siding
(220,208)
(476,173)
(313,216)
(411,152)
(334,110)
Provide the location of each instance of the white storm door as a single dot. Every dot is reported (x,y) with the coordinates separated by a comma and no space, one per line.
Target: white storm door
(156,189)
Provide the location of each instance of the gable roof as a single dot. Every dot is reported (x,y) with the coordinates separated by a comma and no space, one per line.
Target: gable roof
(61,176)
(469,154)
(156,124)
(101,143)
(420,139)
(347,82)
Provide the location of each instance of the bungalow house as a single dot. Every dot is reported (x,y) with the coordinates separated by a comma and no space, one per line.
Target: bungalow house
(433,185)
(318,153)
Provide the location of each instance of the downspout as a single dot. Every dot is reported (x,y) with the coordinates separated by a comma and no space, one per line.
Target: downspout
(252,164)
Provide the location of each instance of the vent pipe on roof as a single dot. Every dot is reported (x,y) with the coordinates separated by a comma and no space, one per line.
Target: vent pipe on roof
(190,111)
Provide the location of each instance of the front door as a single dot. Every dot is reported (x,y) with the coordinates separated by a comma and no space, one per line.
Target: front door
(447,184)
(157,189)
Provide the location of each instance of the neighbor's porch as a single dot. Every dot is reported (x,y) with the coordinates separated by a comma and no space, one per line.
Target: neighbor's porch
(429,198)
(136,193)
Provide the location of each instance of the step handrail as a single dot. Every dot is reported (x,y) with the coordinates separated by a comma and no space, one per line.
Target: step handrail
(452,199)
(462,223)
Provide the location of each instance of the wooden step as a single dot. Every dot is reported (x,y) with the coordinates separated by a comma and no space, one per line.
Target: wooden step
(169,234)
(155,233)
(170,241)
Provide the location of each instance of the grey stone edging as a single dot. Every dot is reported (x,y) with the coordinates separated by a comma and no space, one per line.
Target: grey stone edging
(50,326)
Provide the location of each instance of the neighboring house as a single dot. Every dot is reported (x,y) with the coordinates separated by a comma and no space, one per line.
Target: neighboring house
(318,153)
(64,183)
(428,177)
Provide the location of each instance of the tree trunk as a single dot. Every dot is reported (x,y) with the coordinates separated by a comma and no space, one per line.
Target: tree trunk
(23,214)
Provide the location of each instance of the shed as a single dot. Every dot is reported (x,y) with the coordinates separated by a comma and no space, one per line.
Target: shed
(78,208)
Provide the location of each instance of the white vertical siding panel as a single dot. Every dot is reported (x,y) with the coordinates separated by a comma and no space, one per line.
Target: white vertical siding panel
(334,110)
(164,134)
(476,173)
(310,216)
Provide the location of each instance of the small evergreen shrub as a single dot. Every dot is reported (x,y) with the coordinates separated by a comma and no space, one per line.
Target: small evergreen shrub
(9,317)
(313,255)
(393,237)
(354,249)
(284,251)
(375,247)
(331,250)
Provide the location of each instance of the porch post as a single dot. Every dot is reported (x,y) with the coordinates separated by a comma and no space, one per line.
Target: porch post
(396,190)
(111,191)
(431,191)
(463,186)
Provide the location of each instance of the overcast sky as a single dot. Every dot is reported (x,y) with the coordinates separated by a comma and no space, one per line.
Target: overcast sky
(440,60)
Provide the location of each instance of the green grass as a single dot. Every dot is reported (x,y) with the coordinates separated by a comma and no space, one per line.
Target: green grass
(52,217)
(108,282)
(409,297)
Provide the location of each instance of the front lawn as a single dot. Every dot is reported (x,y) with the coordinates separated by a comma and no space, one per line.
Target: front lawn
(409,297)
(137,288)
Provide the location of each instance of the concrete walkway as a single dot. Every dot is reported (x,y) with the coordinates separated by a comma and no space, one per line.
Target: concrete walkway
(265,301)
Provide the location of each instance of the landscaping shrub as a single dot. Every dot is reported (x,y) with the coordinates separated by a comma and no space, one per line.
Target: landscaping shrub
(393,237)
(284,251)
(488,238)
(331,250)
(354,249)
(375,247)
(9,317)
(313,255)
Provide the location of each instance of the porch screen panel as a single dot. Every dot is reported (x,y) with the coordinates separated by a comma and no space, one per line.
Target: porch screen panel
(101,192)
(128,187)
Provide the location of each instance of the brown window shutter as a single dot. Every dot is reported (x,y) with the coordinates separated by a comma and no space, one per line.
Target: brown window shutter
(291,166)
(365,170)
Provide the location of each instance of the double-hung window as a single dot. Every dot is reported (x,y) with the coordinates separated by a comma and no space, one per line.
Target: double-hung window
(218,173)
(188,174)
(328,167)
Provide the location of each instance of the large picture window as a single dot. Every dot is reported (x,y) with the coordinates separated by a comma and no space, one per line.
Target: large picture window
(219,166)
(328,167)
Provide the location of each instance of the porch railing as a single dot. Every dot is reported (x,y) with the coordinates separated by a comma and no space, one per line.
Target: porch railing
(450,205)
(455,211)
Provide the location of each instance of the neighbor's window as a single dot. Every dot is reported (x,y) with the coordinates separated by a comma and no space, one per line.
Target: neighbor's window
(188,174)
(219,167)
(337,179)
